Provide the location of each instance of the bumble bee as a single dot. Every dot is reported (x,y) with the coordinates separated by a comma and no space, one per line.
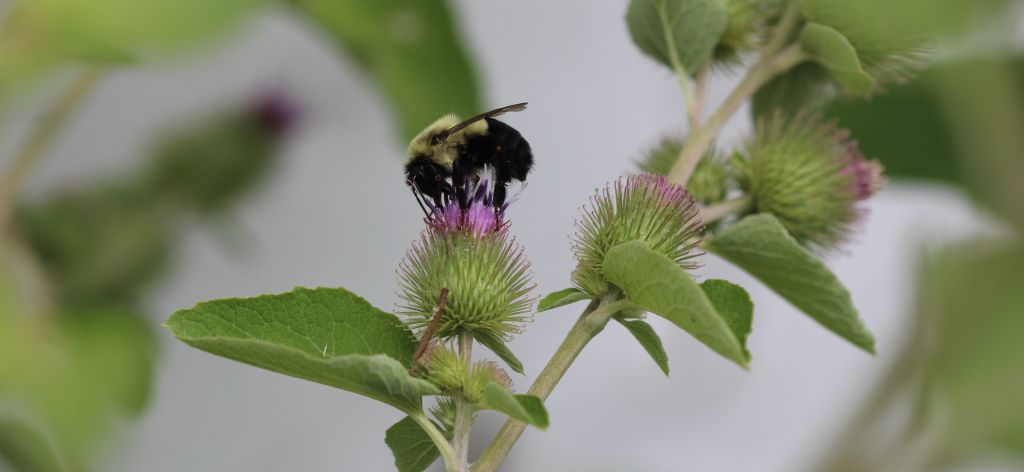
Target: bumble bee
(449,154)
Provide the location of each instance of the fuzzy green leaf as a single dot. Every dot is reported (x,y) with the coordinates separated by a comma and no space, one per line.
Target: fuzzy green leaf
(648,339)
(411,49)
(561,298)
(525,408)
(661,286)
(330,336)
(498,347)
(832,50)
(682,32)
(411,446)
(760,245)
(734,305)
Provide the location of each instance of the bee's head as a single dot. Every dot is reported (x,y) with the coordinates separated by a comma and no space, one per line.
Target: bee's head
(434,143)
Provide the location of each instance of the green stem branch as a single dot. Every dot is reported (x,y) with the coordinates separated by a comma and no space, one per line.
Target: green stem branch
(437,437)
(717,211)
(463,409)
(700,139)
(40,137)
(590,323)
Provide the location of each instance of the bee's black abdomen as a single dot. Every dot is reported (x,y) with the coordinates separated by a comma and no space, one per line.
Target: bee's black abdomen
(504,150)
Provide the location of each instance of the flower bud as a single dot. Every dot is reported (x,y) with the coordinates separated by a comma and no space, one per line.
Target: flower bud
(709,182)
(744,28)
(810,175)
(487,277)
(642,207)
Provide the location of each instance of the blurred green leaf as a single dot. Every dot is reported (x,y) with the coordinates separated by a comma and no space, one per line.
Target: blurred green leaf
(734,305)
(561,298)
(935,129)
(411,48)
(682,32)
(760,245)
(25,447)
(106,242)
(411,446)
(330,336)
(648,339)
(659,285)
(498,347)
(40,34)
(832,50)
(86,371)
(526,408)
(974,303)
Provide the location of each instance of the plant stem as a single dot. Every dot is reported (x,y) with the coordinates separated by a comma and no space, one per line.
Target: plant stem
(463,409)
(685,84)
(700,139)
(40,137)
(437,437)
(696,111)
(712,213)
(590,323)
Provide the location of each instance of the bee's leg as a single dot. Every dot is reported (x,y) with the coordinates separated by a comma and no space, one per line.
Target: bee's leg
(459,176)
(500,191)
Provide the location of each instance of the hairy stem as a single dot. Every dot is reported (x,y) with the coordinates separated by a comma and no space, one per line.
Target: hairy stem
(437,437)
(40,137)
(590,323)
(700,139)
(463,409)
(712,213)
(700,96)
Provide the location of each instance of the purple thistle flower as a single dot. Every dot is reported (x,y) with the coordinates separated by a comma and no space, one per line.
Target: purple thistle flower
(479,218)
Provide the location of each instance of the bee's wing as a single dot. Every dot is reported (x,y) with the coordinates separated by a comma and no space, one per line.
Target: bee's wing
(489,114)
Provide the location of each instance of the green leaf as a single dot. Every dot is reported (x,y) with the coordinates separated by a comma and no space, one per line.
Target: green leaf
(561,298)
(411,446)
(971,303)
(734,305)
(648,339)
(662,287)
(683,32)
(498,347)
(525,408)
(410,48)
(760,245)
(832,50)
(330,336)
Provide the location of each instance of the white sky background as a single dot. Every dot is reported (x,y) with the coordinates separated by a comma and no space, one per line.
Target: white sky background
(336,213)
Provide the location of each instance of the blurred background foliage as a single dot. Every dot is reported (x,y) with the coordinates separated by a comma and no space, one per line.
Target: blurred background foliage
(76,352)
(76,357)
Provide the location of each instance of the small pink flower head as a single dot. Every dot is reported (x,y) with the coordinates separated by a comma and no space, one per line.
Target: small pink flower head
(275,111)
(809,174)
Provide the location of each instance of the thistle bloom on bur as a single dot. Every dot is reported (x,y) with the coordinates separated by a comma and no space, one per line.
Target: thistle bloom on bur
(468,251)
(643,207)
(811,176)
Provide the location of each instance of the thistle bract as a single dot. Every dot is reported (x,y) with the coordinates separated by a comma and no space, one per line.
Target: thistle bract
(487,276)
(810,175)
(643,207)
